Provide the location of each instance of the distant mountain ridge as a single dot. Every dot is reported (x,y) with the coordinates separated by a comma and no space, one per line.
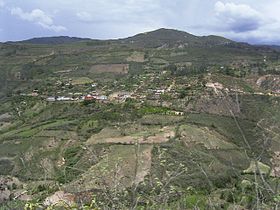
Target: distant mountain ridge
(148,39)
(53,40)
(158,38)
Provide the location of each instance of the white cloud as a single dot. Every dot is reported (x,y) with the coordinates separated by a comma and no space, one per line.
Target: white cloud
(85,16)
(233,9)
(238,17)
(39,17)
(2,3)
(121,11)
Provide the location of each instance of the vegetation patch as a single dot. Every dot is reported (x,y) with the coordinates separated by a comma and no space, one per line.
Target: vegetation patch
(81,80)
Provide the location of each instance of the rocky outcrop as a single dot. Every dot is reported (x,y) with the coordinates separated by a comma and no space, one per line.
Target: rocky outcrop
(60,198)
(10,189)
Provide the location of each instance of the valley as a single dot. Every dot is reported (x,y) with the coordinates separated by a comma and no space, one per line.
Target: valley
(160,120)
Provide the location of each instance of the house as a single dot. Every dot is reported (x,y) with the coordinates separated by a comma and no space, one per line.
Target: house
(63,98)
(102,97)
(159,92)
(78,94)
(51,99)
(34,94)
(89,97)
(215,85)
(179,113)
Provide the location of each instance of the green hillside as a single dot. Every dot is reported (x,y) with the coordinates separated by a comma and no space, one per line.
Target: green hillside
(160,120)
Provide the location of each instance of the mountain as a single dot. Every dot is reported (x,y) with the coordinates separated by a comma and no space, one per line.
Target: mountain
(173,37)
(53,40)
(275,47)
(154,38)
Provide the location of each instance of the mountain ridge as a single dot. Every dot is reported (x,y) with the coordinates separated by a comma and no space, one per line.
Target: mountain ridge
(162,34)
(51,40)
(155,38)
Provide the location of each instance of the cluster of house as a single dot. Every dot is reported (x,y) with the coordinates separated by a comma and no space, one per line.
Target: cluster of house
(88,97)
(159,91)
(34,93)
(121,96)
(214,85)
(219,86)
(30,94)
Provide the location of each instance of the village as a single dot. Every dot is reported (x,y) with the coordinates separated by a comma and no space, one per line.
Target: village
(156,86)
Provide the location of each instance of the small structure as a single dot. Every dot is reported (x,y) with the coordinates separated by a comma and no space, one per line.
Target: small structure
(102,97)
(63,98)
(215,85)
(93,85)
(34,94)
(159,92)
(51,99)
(89,97)
(179,113)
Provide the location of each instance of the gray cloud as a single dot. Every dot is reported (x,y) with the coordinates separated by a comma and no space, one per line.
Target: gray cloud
(39,17)
(237,17)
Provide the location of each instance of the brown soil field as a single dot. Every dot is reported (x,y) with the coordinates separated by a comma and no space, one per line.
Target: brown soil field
(110,68)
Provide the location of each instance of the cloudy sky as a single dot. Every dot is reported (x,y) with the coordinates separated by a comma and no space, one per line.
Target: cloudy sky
(253,21)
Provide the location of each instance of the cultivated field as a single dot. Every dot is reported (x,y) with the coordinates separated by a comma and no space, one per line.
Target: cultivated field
(110,68)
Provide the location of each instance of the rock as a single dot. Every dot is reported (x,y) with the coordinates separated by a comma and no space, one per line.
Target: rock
(60,198)
(21,195)
(5,117)
(4,195)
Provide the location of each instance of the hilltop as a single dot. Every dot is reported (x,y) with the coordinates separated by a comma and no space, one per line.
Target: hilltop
(171,37)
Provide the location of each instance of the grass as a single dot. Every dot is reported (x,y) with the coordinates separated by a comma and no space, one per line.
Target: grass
(209,138)
(158,119)
(29,131)
(81,80)
(153,110)
(263,169)
(121,157)
(227,127)
(15,204)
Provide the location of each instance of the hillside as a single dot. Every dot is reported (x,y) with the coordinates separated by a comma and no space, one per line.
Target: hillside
(160,120)
(53,40)
(169,37)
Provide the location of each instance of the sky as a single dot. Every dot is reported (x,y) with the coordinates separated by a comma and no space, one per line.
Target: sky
(252,21)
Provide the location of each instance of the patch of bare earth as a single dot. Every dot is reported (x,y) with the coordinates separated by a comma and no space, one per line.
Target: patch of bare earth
(145,164)
(163,135)
(60,198)
(4,125)
(275,172)
(136,57)
(110,68)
